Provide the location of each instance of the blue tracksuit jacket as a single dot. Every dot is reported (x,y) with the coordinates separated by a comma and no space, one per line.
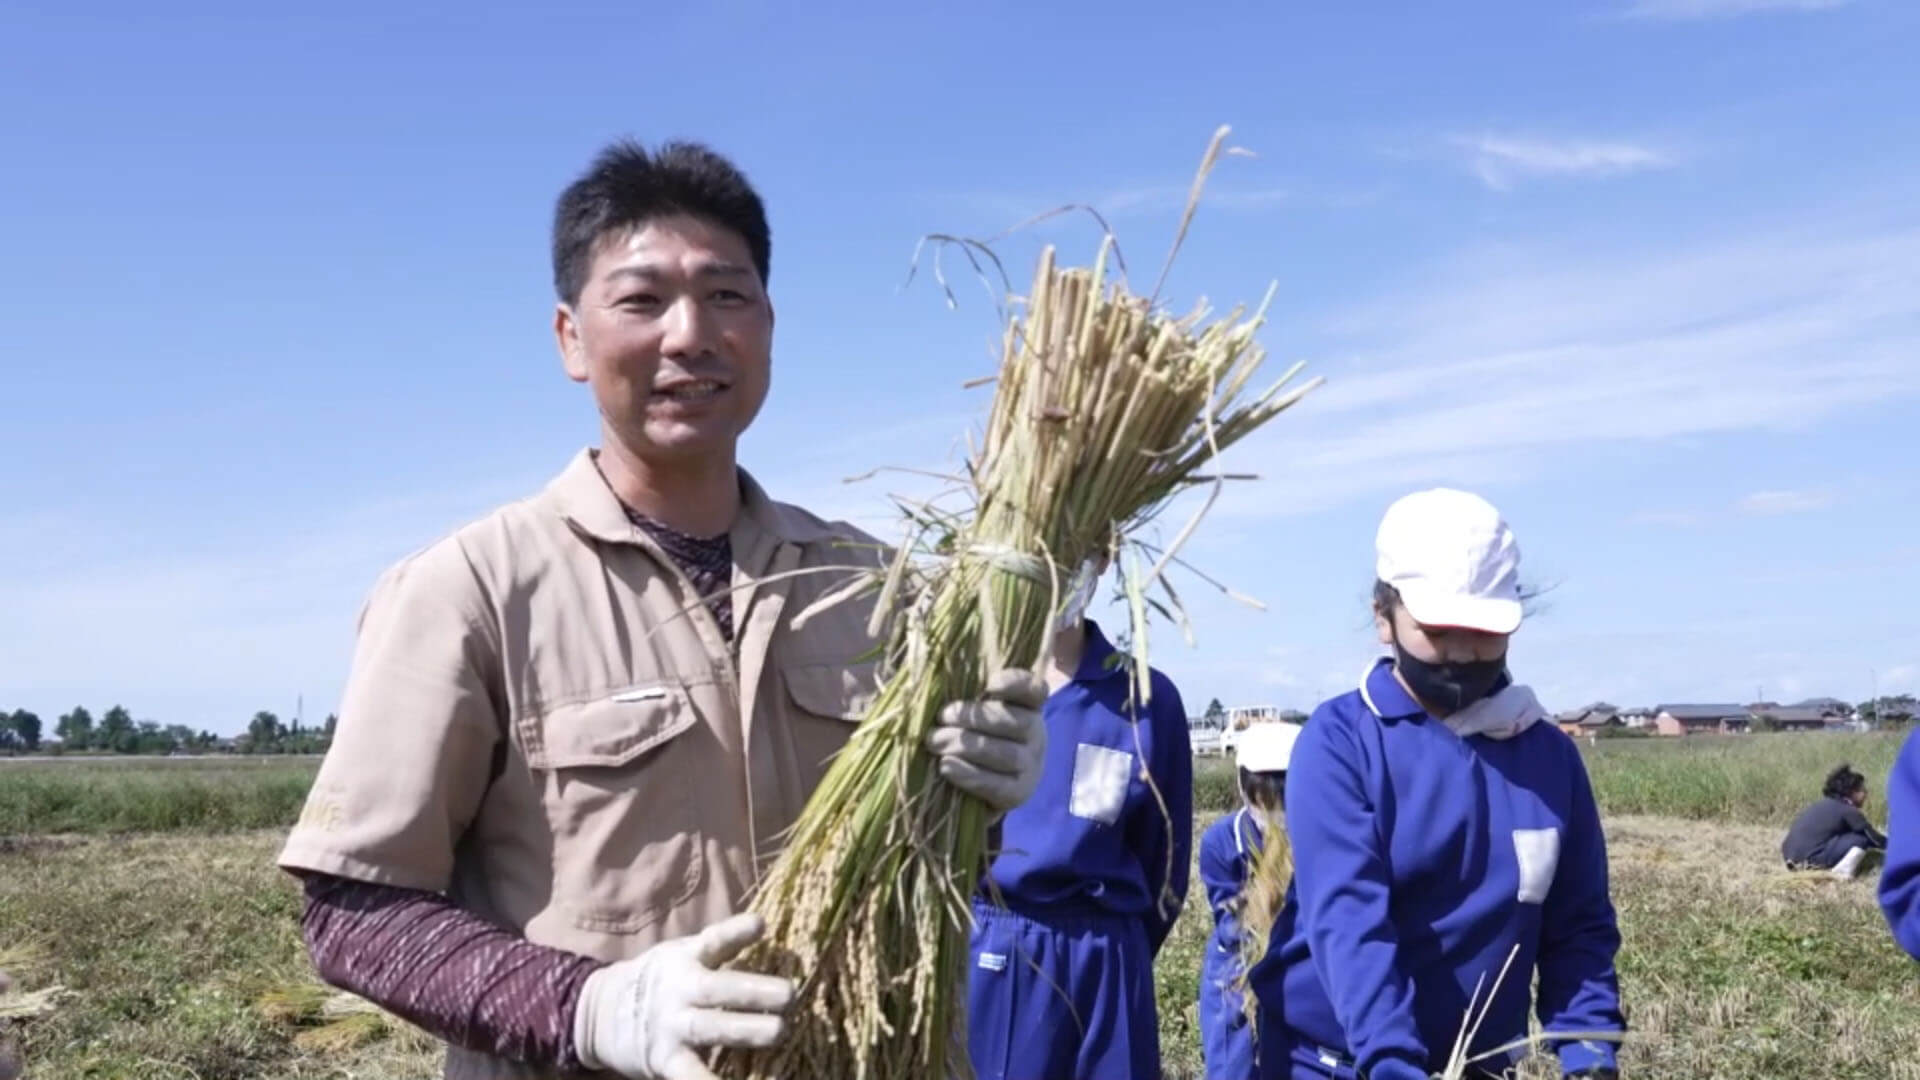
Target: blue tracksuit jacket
(1421,861)
(1227,851)
(1899,888)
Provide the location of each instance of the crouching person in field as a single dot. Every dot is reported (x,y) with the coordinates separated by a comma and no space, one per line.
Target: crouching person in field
(1899,889)
(1833,834)
(576,730)
(1444,840)
(1228,851)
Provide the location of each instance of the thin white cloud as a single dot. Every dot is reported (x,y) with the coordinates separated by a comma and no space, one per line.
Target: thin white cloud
(1689,10)
(1768,503)
(1501,161)
(1495,375)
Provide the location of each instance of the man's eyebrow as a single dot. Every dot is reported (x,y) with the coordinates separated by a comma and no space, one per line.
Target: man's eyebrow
(643,271)
(650,272)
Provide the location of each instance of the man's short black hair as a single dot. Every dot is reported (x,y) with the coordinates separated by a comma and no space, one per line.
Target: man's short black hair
(1843,782)
(625,186)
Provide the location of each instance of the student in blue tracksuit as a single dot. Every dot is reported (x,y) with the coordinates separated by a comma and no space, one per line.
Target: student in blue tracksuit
(1438,828)
(1227,851)
(1093,872)
(1899,888)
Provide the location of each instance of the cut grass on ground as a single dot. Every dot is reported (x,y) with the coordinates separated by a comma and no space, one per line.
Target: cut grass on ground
(1732,968)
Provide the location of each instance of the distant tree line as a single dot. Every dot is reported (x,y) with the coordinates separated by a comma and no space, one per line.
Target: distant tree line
(117,732)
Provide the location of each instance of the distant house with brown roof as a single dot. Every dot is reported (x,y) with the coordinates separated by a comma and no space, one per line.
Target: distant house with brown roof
(1679,720)
(1793,718)
(1588,720)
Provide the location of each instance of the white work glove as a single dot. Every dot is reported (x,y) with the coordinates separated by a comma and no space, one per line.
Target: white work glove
(993,748)
(650,1018)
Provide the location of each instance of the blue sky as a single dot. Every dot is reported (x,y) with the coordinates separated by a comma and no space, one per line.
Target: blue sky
(274,306)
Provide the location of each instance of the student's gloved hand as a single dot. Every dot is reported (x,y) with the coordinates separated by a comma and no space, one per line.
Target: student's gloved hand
(993,748)
(650,1018)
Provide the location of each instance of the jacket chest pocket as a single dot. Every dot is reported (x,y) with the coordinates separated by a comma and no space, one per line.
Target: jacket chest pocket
(619,777)
(1102,777)
(825,703)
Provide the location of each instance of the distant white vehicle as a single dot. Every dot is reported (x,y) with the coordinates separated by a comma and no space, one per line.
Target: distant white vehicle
(1206,737)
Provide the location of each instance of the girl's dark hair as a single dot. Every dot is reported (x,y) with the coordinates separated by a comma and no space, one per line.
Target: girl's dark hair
(1267,790)
(1843,782)
(1385,597)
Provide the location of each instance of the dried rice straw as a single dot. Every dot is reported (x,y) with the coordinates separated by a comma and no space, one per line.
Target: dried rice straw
(1105,410)
(1261,898)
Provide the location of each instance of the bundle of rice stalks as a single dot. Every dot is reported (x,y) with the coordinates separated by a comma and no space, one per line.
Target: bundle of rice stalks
(332,1021)
(1105,410)
(1261,898)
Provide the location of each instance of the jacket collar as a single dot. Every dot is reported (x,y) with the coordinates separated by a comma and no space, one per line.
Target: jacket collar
(584,498)
(1384,695)
(1098,658)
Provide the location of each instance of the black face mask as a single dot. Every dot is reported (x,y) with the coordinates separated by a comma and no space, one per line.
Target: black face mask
(1451,686)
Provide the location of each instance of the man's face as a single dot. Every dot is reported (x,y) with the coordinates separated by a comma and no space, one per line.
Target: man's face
(673,331)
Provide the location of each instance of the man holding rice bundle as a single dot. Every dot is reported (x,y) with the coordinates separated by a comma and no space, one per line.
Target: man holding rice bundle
(1229,850)
(576,730)
(1447,847)
(1091,875)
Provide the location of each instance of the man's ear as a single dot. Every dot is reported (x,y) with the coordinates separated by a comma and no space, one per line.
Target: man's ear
(566,336)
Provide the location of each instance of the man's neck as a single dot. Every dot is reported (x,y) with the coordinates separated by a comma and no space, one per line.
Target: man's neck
(696,497)
(1064,655)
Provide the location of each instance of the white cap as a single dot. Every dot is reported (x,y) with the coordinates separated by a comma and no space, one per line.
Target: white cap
(1266,747)
(1453,560)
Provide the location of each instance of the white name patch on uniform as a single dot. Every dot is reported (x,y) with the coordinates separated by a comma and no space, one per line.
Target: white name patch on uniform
(1100,778)
(1538,852)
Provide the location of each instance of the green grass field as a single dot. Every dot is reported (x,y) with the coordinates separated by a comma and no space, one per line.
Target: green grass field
(164,916)
(90,795)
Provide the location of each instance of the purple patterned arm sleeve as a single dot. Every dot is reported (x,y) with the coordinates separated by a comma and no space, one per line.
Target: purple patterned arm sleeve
(446,970)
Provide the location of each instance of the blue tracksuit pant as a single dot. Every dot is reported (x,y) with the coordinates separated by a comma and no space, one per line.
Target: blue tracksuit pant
(1061,997)
(1226,1037)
